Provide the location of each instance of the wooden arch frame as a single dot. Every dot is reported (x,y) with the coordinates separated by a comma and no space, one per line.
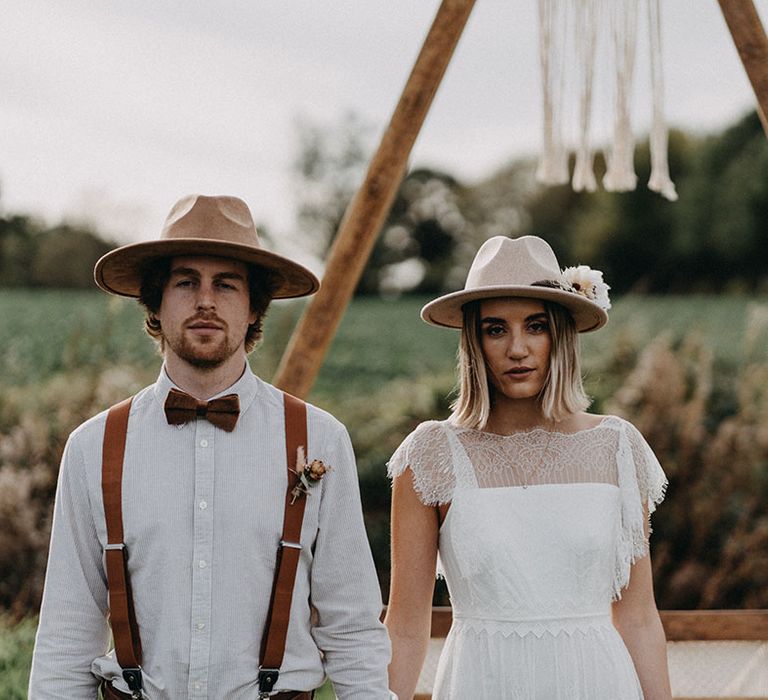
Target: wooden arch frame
(367,211)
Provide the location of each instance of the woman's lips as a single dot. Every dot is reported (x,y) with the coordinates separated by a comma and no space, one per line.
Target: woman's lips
(519,372)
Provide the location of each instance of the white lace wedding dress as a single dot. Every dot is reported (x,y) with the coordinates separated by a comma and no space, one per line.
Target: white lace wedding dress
(539,539)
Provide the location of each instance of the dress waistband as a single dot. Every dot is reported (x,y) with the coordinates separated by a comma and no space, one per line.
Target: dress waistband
(537,625)
(585,616)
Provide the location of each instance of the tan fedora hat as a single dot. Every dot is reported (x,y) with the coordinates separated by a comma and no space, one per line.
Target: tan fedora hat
(525,267)
(200,225)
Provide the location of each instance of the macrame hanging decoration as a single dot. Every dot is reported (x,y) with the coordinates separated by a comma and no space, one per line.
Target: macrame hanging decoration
(569,37)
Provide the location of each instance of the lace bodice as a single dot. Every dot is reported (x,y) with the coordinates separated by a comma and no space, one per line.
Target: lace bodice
(594,481)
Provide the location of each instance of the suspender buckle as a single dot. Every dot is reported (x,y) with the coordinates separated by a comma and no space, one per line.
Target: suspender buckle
(290,545)
(119,545)
(267,679)
(132,676)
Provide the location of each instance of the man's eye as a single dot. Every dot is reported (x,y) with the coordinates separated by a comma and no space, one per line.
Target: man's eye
(184,283)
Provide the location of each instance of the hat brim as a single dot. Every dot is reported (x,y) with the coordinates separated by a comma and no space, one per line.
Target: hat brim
(447,310)
(119,271)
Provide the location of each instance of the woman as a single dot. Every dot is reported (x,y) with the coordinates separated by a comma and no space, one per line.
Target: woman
(540,511)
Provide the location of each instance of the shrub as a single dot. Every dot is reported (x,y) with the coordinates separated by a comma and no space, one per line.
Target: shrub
(710,547)
(34,425)
(16,642)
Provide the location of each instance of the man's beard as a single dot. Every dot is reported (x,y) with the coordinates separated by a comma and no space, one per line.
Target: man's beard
(206,356)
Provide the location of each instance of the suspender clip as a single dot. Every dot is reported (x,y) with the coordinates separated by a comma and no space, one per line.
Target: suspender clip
(290,545)
(132,676)
(119,545)
(267,679)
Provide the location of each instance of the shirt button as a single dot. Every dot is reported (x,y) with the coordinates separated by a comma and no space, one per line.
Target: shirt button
(200,625)
(202,564)
(197,686)
(203,443)
(203,505)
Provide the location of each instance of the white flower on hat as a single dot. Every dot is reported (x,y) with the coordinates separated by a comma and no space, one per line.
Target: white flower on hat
(589,283)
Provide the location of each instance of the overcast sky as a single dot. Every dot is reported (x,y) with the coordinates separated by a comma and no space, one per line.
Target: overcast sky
(110,111)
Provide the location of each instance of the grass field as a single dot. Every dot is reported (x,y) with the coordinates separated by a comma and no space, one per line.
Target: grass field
(378,341)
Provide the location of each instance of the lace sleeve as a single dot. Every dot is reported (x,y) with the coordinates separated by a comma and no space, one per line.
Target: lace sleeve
(427,453)
(651,480)
(643,484)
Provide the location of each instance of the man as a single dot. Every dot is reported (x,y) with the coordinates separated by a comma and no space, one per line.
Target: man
(203,503)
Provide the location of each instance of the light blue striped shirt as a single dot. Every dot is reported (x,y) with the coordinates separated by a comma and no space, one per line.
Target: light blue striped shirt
(203,514)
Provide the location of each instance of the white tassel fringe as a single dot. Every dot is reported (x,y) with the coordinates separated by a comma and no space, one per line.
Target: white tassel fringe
(561,60)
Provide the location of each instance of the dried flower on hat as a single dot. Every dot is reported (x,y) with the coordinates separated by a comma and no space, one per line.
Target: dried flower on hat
(589,283)
(309,474)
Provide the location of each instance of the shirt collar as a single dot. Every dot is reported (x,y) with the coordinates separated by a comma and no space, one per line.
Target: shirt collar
(246,387)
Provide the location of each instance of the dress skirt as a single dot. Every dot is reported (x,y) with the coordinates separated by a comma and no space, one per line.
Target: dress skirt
(583,663)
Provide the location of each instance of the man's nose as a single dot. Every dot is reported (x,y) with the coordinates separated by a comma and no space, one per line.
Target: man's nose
(205,298)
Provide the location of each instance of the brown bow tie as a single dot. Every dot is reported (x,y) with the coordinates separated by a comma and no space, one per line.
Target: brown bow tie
(222,412)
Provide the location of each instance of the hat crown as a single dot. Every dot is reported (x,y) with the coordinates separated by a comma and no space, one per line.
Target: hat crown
(503,261)
(216,218)
(517,267)
(215,226)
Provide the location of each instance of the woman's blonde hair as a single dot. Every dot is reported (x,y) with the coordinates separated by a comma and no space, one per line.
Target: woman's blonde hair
(562,393)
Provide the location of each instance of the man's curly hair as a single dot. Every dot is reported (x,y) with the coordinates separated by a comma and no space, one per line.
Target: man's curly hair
(262,284)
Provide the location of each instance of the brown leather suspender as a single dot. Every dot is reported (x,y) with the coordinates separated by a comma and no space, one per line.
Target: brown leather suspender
(121,613)
(276,629)
(122,616)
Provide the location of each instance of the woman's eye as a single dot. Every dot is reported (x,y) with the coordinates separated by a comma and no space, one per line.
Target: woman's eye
(539,327)
(494,330)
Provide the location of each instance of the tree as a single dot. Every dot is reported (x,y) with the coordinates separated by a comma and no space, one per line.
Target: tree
(328,168)
(65,257)
(422,233)
(625,234)
(720,232)
(713,238)
(417,251)
(32,256)
(17,251)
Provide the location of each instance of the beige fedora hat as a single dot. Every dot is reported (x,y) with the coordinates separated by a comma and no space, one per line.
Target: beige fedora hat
(525,267)
(200,225)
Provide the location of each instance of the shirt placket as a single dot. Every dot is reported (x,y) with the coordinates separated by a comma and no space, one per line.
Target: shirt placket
(202,561)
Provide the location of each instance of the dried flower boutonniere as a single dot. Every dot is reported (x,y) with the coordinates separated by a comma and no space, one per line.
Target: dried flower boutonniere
(309,474)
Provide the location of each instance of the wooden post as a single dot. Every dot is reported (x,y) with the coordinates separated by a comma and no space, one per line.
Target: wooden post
(749,36)
(368,210)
